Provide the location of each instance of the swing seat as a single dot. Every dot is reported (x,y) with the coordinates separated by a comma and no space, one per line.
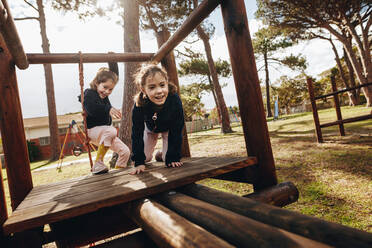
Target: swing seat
(77,151)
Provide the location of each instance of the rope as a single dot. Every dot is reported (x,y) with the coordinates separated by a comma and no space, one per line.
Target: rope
(81,79)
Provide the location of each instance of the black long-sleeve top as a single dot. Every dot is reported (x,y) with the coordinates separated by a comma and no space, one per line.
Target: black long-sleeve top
(169,118)
(97,109)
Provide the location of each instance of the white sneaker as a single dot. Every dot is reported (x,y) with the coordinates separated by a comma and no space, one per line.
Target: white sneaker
(99,167)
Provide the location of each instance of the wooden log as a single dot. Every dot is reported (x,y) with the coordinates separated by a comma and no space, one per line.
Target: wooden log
(343,90)
(244,175)
(169,63)
(89,228)
(318,131)
(12,130)
(279,195)
(195,18)
(337,107)
(64,58)
(348,120)
(9,32)
(168,229)
(138,239)
(313,228)
(236,229)
(248,89)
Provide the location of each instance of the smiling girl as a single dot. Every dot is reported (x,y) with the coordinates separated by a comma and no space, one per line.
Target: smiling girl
(99,119)
(157,111)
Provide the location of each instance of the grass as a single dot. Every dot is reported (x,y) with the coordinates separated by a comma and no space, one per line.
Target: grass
(334,178)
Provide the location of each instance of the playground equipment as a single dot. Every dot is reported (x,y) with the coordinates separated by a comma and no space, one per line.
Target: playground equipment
(340,122)
(83,210)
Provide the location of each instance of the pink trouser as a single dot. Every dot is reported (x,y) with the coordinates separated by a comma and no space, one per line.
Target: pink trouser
(150,139)
(107,135)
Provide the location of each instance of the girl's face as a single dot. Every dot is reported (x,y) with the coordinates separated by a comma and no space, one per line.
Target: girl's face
(104,89)
(156,88)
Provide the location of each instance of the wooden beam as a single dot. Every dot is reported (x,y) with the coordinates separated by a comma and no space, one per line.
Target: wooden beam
(342,91)
(64,58)
(138,239)
(337,107)
(248,89)
(169,63)
(168,229)
(318,131)
(313,228)
(12,130)
(348,120)
(236,229)
(195,18)
(279,195)
(9,32)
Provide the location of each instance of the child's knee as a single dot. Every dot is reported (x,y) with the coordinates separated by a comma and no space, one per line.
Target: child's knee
(111,132)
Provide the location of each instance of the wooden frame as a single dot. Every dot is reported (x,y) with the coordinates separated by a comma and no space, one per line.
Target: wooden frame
(340,122)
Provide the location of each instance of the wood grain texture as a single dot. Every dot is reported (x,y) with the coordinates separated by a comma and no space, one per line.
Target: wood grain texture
(234,228)
(313,228)
(247,85)
(77,197)
(168,229)
(12,131)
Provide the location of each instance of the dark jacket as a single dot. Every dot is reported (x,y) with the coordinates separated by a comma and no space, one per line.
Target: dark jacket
(169,118)
(97,109)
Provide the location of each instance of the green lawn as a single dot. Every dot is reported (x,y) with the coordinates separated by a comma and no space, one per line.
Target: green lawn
(334,178)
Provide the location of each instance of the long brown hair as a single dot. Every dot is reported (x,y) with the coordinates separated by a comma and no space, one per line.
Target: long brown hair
(102,76)
(140,79)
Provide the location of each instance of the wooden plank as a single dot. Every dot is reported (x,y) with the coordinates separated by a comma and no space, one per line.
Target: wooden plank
(64,58)
(348,120)
(327,232)
(12,130)
(247,85)
(318,131)
(234,228)
(195,18)
(337,107)
(168,229)
(11,38)
(88,197)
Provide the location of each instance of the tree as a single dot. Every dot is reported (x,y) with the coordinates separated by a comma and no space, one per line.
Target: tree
(346,20)
(191,99)
(267,42)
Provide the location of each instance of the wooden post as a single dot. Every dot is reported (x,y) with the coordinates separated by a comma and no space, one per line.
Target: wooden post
(249,92)
(315,110)
(169,63)
(337,107)
(313,228)
(12,130)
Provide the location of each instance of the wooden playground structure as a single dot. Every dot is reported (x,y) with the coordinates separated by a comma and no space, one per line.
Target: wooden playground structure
(340,122)
(165,203)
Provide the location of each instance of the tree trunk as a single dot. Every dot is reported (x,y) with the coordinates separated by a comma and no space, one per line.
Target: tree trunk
(215,98)
(268,105)
(225,119)
(354,93)
(359,72)
(52,113)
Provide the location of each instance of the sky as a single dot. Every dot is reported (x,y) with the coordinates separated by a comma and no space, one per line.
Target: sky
(68,34)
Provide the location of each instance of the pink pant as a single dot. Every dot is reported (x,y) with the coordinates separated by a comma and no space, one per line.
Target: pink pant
(150,139)
(107,135)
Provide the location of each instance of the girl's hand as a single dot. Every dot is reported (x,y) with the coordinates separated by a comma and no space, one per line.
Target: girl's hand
(138,169)
(175,164)
(115,113)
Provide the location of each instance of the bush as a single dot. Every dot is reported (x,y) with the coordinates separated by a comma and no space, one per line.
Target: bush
(33,151)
